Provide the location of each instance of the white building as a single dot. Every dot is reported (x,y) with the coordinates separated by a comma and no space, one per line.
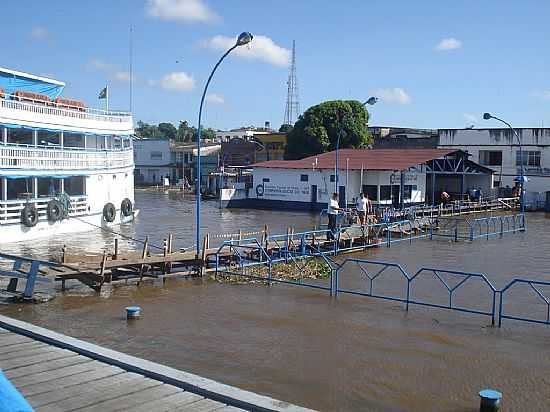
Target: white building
(245,133)
(153,161)
(396,177)
(499,150)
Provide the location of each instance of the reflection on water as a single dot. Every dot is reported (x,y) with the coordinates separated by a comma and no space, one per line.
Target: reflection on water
(297,344)
(162,213)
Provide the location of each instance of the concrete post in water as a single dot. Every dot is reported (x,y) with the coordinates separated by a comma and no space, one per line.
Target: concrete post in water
(133,312)
(490,400)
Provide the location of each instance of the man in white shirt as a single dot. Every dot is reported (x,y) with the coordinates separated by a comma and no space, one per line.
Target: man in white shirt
(333,208)
(362,207)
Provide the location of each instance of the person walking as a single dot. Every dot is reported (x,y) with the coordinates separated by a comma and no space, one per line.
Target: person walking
(333,208)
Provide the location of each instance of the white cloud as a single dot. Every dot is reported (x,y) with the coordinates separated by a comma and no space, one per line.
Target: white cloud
(542,94)
(101,65)
(393,95)
(449,43)
(178,81)
(186,11)
(39,33)
(261,48)
(123,76)
(215,98)
(471,118)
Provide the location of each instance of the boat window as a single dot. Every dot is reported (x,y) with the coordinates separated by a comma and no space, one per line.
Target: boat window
(75,186)
(76,140)
(20,136)
(46,138)
(48,186)
(19,188)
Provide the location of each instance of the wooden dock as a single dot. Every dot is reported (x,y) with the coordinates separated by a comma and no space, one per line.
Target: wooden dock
(58,373)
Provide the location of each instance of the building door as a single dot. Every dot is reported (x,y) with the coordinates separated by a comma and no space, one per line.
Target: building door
(313,197)
(395,193)
(342,196)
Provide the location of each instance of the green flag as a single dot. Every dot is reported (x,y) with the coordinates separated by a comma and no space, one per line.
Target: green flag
(103,93)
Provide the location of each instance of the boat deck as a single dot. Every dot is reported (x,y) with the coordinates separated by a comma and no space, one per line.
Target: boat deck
(90,378)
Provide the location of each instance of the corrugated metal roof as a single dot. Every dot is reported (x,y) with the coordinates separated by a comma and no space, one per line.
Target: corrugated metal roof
(369,159)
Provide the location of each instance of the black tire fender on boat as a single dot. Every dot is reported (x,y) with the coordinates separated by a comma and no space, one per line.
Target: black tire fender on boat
(54,210)
(109,212)
(29,215)
(126,207)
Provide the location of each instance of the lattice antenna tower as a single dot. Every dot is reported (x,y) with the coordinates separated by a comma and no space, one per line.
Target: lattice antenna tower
(292,111)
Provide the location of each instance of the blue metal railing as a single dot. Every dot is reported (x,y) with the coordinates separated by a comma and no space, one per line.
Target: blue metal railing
(538,293)
(405,296)
(463,278)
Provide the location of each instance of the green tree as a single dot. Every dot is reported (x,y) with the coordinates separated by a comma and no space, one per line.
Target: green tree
(185,133)
(208,133)
(167,131)
(285,128)
(146,130)
(316,131)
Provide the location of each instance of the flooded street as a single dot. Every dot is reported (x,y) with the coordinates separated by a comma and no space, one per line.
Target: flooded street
(297,344)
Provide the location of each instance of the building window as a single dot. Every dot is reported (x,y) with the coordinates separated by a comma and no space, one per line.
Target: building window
(371,191)
(385,192)
(265,180)
(530,158)
(304,178)
(490,158)
(332,178)
(156,155)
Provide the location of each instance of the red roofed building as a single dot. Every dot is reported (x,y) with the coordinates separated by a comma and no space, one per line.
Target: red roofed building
(398,177)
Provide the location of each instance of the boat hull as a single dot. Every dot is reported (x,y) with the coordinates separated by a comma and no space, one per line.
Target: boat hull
(12,233)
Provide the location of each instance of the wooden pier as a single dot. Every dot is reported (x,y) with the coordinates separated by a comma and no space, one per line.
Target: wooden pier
(58,373)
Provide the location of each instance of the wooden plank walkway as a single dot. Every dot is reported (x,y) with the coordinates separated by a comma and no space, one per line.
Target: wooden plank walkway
(58,373)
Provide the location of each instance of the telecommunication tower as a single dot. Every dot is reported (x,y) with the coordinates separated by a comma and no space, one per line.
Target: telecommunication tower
(292,111)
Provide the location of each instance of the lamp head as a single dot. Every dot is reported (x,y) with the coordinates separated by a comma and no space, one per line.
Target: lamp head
(244,38)
(372,100)
(487,116)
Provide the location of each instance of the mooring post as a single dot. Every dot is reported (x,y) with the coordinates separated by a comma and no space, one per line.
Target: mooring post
(490,400)
(64,254)
(115,255)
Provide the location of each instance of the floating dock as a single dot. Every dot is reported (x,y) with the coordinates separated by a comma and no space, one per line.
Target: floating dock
(58,373)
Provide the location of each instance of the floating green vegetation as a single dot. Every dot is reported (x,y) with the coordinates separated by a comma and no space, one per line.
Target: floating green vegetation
(295,271)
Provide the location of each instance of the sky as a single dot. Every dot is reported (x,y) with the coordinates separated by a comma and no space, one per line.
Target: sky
(432,63)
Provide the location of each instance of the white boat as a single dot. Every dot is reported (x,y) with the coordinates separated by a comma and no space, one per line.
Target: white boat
(64,167)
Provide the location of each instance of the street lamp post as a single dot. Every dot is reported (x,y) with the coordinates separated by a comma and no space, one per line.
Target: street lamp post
(244,38)
(371,101)
(488,116)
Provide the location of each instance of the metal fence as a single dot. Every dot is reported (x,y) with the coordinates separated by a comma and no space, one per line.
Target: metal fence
(470,229)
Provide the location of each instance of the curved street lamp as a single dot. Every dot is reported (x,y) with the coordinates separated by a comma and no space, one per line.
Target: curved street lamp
(488,116)
(371,101)
(244,38)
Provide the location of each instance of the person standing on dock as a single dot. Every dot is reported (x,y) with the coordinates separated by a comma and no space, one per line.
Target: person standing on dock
(363,206)
(333,208)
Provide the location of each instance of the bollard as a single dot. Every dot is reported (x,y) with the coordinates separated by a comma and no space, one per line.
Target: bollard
(490,400)
(133,312)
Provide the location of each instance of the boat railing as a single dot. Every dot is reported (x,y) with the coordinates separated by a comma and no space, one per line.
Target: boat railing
(47,107)
(17,157)
(10,210)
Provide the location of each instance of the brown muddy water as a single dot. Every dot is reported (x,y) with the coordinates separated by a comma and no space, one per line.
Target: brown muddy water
(350,353)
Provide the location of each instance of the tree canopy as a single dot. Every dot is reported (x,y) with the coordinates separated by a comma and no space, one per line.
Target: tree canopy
(316,131)
(184,132)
